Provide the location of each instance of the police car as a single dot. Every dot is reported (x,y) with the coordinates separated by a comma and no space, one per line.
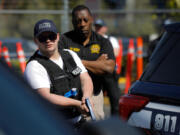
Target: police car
(153,102)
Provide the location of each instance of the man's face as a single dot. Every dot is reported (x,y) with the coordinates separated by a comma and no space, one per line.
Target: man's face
(47,42)
(82,22)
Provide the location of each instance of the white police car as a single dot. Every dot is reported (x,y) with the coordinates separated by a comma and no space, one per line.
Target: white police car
(153,102)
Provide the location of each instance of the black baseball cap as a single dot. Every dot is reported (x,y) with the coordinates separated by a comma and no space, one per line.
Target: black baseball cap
(44,25)
(99,22)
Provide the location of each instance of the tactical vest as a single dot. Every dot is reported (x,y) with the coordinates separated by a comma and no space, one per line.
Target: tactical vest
(62,80)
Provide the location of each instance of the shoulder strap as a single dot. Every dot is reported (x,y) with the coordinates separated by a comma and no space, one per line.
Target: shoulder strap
(70,63)
(33,56)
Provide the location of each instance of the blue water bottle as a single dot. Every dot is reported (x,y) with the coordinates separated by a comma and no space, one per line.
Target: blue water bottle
(71,93)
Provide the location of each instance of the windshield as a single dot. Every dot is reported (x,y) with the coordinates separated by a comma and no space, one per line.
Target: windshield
(164,64)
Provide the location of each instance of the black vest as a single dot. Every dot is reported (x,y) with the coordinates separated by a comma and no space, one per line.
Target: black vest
(62,80)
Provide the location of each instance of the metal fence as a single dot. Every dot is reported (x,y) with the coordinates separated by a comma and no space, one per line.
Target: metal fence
(118,21)
(121,23)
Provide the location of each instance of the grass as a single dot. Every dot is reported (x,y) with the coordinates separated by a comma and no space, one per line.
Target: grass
(16,66)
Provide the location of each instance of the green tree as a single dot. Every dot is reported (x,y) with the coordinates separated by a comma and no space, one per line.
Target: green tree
(21,25)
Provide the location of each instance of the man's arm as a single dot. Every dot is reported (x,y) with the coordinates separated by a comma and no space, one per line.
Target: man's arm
(61,100)
(101,65)
(87,88)
(86,85)
(105,63)
(58,99)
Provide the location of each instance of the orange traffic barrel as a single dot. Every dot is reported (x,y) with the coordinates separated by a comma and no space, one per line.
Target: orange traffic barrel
(139,57)
(129,65)
(6,56)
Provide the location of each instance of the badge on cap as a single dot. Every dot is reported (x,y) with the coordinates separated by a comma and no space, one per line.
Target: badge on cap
(44,25)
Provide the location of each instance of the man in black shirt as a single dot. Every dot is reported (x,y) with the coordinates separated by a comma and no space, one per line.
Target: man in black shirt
(110,84)
(94,51)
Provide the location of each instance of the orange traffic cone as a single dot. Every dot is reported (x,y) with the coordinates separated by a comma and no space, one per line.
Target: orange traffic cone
(21,57)
(130,59)
(119,57)
(6,55)
(0,48)
(139,57)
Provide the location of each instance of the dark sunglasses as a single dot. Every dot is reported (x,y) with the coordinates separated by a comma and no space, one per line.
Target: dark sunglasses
(51,37)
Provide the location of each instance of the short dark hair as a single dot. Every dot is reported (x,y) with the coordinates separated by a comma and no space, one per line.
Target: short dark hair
(79,8)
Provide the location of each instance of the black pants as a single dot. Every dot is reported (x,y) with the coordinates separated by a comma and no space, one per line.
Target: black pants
(110,84)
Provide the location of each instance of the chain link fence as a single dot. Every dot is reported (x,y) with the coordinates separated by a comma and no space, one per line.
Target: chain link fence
(19,23)
(122,24)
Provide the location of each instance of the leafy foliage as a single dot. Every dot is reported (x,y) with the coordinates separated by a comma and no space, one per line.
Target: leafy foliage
(21,25)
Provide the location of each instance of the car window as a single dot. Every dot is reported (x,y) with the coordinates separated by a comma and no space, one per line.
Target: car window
(27,46)
(164,65)
(11,47)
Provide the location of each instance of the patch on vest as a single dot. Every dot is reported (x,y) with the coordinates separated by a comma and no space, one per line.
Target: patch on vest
(76,71)
(95,48)
(74,49)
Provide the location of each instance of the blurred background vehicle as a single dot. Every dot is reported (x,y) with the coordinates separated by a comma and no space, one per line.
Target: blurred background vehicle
(153,102)
(28,46)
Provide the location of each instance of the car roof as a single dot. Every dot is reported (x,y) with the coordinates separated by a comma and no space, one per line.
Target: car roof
(161,76)
(12,39)
(173,27)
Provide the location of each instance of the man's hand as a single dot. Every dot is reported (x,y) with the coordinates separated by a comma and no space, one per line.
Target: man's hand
(83,105)
(103,57)
(91,110)
(100,66)
(83,108)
